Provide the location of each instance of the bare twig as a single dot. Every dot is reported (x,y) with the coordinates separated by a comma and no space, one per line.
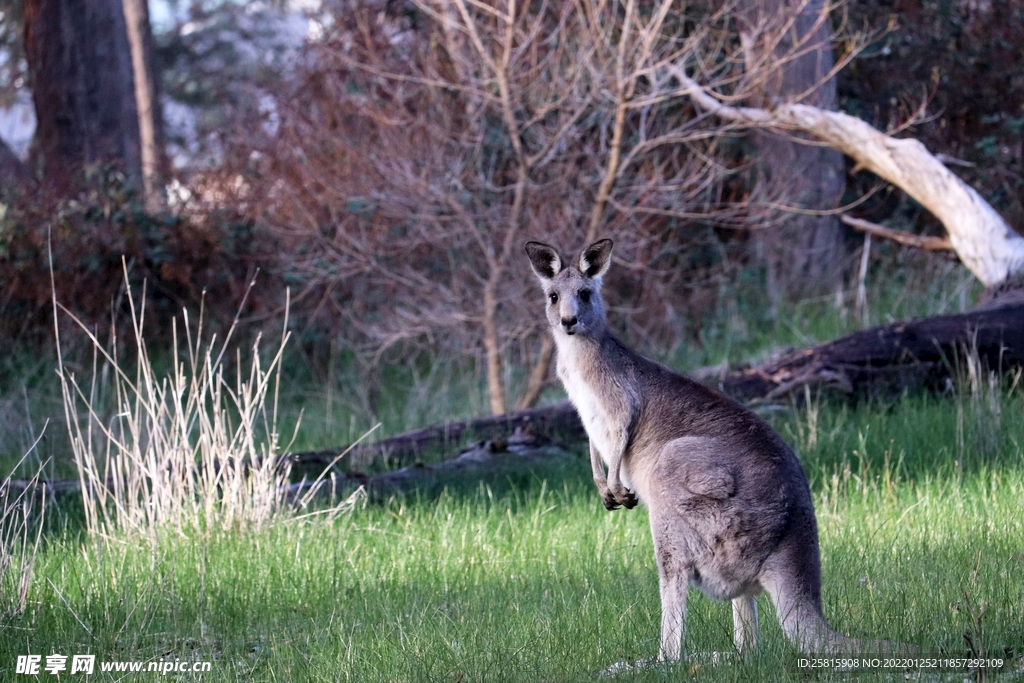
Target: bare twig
(905,238)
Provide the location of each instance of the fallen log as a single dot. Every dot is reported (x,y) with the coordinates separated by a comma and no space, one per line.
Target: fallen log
(487,461)
(550,423)
(904,355)
(490,460)
(920,353)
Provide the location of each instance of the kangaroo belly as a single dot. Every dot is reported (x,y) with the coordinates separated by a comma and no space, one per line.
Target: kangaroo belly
(718,587)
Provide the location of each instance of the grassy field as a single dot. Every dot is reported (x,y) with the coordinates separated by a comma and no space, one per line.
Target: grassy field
(530,578)
(919,505)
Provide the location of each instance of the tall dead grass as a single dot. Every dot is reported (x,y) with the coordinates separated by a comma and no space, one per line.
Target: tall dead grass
(22,513)
(979,394)
(193,451)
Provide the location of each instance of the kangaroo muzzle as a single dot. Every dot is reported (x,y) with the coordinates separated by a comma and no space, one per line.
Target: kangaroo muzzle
(567,314)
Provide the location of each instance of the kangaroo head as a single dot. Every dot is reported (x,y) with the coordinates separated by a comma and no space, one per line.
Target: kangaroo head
(573,291)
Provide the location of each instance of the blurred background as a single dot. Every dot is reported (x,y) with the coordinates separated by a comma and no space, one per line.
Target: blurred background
(360,165)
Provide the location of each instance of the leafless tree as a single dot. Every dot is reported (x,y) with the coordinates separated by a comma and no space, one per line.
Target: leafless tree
(425,142)
(425,146)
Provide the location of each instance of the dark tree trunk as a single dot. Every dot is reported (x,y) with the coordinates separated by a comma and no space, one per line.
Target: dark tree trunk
(802,251)
(80,66)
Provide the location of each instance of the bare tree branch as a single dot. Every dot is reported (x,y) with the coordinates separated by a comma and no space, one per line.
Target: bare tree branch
(904,238)
(989,248)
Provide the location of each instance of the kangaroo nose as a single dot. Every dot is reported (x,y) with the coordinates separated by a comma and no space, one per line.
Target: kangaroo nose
(569,323)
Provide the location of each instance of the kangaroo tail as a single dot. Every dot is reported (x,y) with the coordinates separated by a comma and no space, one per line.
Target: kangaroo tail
(803,622)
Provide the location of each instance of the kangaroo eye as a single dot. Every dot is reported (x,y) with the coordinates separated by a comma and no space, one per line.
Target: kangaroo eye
(584,295)
(553,296)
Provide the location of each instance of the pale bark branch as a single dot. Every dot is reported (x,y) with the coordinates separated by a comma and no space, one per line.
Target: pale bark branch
(989,247)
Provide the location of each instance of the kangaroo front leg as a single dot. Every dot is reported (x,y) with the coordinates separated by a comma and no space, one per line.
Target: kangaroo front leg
(617,494)
(597,467)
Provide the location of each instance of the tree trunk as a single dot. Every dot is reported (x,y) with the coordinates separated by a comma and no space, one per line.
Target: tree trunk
(492,349)
(788,43)
(140,38)
(79,61)
(538,373)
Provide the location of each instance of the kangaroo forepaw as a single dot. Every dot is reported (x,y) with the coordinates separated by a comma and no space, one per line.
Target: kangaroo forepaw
(614,498)
(609,500)
(621,498)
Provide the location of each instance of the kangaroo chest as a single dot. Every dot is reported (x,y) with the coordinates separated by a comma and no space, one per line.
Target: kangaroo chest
(597,419)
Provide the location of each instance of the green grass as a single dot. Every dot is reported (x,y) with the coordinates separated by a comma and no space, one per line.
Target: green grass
(921,526)
(529,578)
(902,283)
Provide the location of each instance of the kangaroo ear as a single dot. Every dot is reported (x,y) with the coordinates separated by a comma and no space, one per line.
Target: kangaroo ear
(545,260)
(596,259)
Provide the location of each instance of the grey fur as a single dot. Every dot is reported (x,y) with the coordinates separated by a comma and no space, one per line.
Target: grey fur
(730,507)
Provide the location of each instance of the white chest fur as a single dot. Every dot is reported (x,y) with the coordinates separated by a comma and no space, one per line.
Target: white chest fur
(587,401)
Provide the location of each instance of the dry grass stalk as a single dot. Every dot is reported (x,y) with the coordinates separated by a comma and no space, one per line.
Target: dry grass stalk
(21,527)
(193,452)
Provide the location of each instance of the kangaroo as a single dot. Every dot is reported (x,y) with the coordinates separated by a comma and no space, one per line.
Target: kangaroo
(730,507)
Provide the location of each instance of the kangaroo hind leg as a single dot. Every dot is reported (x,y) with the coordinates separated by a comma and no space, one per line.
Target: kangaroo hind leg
(674,584)
(744,623)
